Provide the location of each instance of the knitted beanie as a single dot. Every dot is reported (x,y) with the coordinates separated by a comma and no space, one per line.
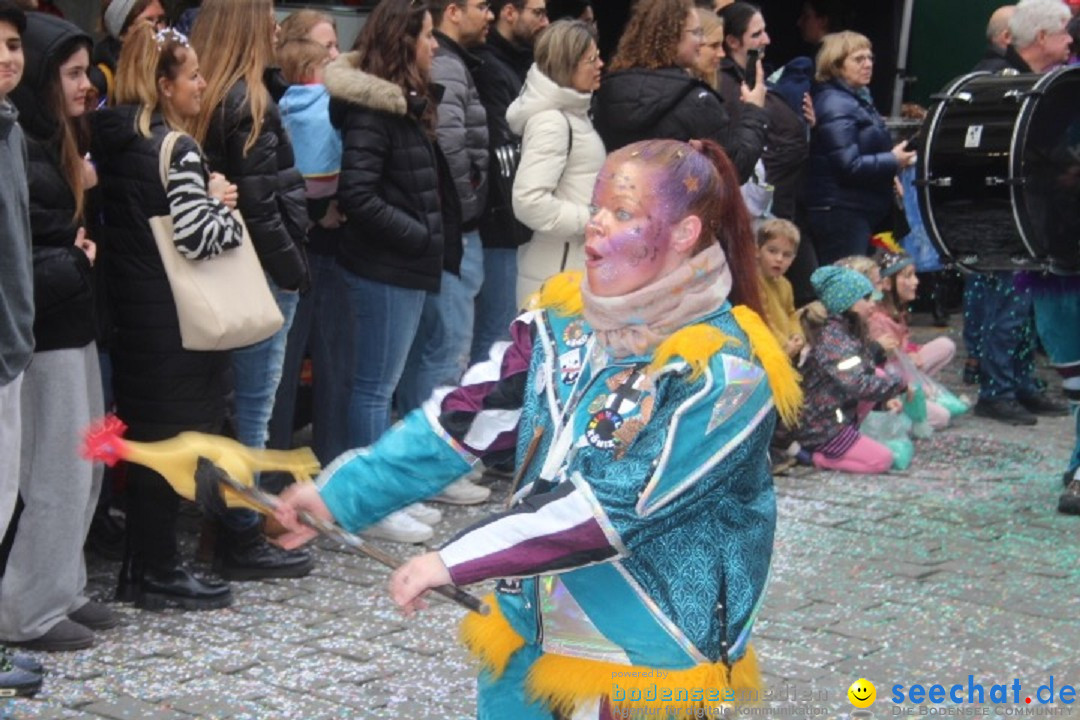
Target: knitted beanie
(890,263)
(839,288)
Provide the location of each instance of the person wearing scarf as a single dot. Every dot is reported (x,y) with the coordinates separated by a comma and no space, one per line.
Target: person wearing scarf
(636,549)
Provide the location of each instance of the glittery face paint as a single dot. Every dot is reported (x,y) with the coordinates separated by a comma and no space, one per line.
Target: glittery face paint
(626,239)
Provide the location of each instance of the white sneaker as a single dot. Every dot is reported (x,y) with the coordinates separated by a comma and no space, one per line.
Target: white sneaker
(424,513)
(463,492)
(399,527)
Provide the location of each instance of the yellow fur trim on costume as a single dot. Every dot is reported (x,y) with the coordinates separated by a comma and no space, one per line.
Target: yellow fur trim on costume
(490,638)
(560,293)
(783,379)
(565,683)
(695,344)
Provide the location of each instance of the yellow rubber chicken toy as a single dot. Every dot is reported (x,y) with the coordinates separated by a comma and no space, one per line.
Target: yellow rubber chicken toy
(176,459)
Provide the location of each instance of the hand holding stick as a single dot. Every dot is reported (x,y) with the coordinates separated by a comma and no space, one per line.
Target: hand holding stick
(267,503)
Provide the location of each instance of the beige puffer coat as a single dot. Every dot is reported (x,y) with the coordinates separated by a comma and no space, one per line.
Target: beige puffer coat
(560,157)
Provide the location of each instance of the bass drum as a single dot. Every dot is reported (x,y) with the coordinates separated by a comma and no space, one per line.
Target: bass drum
(999,171)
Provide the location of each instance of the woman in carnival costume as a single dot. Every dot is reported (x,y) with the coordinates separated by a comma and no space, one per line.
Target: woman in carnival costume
(641,537)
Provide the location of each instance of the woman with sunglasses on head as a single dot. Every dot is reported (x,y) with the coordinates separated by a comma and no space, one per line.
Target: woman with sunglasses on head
(650,90)
(161,388)
(560,153)
(637,548)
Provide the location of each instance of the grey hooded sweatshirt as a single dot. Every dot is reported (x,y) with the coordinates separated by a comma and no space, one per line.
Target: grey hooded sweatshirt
(16,265)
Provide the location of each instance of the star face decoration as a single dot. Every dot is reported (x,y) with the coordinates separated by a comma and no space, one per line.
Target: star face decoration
(691,184)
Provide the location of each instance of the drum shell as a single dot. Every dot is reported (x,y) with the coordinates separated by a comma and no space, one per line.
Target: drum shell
(997,167)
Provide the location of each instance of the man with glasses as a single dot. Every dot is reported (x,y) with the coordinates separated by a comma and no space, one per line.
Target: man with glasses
(507,56)
(441,350)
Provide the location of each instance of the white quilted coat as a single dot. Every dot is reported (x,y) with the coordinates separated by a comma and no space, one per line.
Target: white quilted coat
(554,181)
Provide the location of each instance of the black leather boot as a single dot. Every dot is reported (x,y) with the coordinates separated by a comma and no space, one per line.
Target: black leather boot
(246,555)
(175,586)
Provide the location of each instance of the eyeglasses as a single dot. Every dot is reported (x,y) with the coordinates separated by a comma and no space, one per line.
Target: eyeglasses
(170,35)
(481,6)
(698,32)
(590,59)
(862,58)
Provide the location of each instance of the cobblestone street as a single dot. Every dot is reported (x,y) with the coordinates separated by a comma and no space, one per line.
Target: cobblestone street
(959,566)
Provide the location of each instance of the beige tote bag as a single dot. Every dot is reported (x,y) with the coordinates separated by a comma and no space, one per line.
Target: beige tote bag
(223,302)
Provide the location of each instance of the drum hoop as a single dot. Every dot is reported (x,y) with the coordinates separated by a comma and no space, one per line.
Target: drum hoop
(1016,146)
(927,205)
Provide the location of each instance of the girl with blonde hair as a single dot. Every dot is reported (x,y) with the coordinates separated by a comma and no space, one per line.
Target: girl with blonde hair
(161,389)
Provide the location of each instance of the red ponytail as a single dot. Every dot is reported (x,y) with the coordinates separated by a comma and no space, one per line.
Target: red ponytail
(726,220)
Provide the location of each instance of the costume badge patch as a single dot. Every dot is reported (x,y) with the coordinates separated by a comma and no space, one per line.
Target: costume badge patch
(619,416)
(574,334)
(570,366)
(600,432)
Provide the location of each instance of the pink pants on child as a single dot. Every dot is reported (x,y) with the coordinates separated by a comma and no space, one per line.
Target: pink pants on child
(936,354)
(865,457)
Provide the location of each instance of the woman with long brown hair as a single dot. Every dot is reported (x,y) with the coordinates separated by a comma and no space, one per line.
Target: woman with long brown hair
(161,388)
(651,92)
(400,203)
(240,128)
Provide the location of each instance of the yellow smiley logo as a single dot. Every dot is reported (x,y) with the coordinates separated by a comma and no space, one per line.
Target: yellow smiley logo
(862,693)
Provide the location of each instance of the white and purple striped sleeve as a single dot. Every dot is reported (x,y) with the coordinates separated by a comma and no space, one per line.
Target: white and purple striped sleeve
(482,414)
(561,529)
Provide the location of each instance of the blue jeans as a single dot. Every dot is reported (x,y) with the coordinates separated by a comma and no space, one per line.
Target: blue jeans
(317,330)
(840,232)
(496,305)
(381,324)
(256,375)
(1006,365)
(441,351)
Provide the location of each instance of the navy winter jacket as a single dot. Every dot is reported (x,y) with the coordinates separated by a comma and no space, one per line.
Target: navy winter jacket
(851,160)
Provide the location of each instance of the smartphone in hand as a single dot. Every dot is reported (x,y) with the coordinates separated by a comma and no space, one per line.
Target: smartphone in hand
(752,56)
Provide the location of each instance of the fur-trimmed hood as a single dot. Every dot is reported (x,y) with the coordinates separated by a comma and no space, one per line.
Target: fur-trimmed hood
(347,83)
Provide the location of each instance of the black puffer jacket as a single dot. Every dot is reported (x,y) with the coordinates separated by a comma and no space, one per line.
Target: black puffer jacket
(63,279)
(851,160)
(271,192)
(161,388)
(639,104)
(499,80)
(395,188)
